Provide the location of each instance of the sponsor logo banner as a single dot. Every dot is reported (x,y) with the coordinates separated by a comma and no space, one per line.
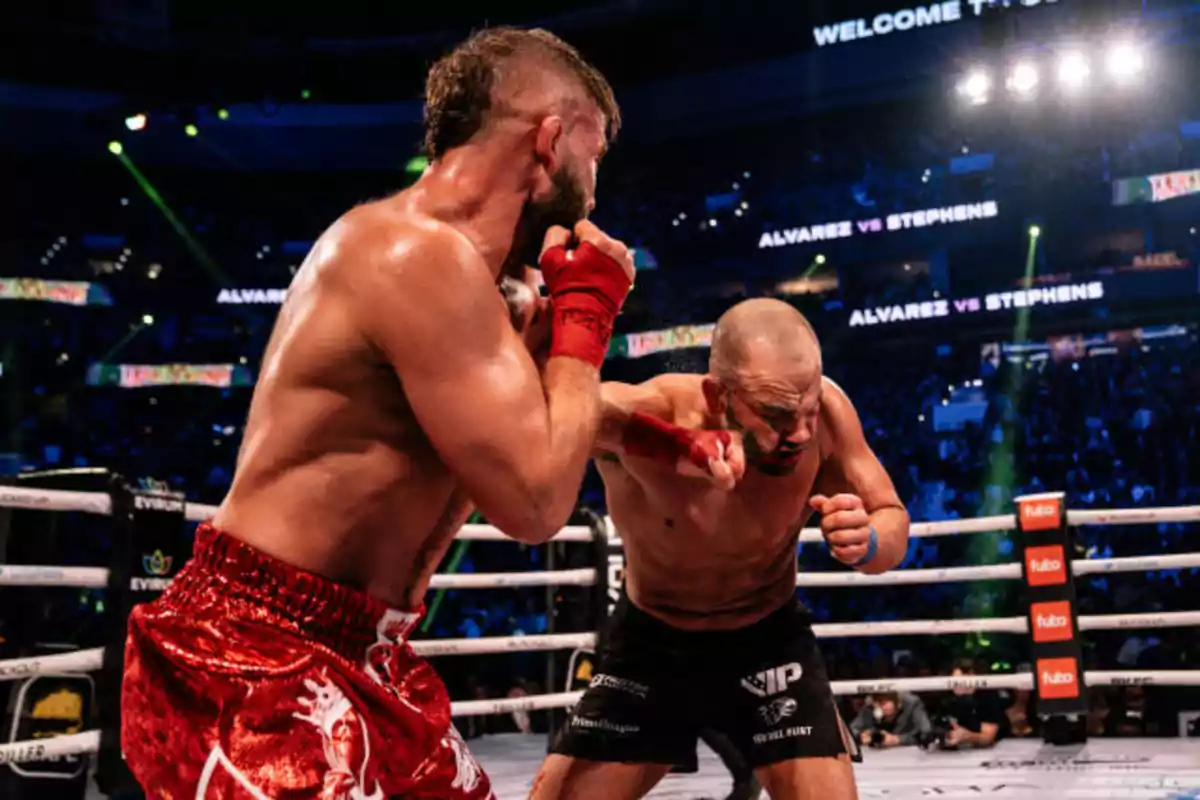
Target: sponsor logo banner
(1052,621)
(1058,678)
(1045,565)
(1041,513)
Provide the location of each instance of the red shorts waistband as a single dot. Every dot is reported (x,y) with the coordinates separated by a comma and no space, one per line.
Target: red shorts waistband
(257,587)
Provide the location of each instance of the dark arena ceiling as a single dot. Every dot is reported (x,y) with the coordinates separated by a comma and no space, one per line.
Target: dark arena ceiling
(372,50)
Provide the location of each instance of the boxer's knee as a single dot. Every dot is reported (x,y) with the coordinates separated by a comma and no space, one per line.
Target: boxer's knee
(810,779)
(566,778)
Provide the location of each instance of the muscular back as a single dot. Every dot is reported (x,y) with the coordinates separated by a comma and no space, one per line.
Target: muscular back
(335,475)
(697,556)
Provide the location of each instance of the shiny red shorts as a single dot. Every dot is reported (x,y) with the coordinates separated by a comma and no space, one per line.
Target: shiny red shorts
(249,679)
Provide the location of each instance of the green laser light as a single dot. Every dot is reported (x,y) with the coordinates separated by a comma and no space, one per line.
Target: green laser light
(305,94)
(416,165)
(820,259)
(115,148)
(147,319)
(1035,231)
(222,113)
(191,130)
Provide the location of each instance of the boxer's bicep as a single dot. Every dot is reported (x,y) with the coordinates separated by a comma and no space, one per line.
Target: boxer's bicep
(472,386)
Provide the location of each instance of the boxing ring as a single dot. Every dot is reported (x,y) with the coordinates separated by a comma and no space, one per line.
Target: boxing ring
(1133,768)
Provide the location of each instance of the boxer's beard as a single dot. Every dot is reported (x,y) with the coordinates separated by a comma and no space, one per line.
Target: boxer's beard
(565,206)
(777,463)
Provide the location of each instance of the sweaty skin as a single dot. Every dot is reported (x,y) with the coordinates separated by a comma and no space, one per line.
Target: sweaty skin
(395,393)
(702,558)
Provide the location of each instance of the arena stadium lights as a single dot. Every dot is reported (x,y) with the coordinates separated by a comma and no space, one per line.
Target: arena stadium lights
(976,87)
(136,122)
(115,148)
(1023,80)
(1073,70)
(1125,61)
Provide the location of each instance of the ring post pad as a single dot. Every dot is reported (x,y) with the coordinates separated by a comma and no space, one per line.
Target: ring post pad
(1046,546)
(150,546)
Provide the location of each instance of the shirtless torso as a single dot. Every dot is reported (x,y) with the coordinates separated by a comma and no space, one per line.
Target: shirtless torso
(335,474)
(699,557)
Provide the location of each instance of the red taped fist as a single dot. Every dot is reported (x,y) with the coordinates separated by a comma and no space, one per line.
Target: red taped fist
(588,285)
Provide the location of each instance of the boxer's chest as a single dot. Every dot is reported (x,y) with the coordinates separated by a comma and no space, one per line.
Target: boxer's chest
(761,507)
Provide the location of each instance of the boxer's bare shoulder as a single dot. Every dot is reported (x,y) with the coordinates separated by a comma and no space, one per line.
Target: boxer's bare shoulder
(378,247)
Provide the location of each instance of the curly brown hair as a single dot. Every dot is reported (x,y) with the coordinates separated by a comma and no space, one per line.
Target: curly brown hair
(459,88)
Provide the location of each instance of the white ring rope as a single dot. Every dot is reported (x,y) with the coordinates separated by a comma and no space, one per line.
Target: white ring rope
(1007,572)
(51,748)
(503,644)
(495,580)
(89,741)
(1136,564)
(1134,516)
(91,660)
(55,500)
(78,661)
(1021,680)
(101,503)
(97,577)
(928,627)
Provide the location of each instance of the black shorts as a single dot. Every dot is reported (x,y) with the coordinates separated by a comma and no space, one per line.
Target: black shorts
(763,686)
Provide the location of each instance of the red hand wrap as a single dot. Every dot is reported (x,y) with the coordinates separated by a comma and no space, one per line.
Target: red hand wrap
(588,288)
(656,439)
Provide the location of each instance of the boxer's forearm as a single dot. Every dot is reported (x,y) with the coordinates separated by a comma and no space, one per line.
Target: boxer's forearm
(573,410)
(891,526)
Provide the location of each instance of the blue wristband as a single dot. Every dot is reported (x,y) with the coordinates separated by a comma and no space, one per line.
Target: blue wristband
(872,550)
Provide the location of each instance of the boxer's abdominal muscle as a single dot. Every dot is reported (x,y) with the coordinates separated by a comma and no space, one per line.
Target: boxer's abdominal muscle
(700,558)
(335,475)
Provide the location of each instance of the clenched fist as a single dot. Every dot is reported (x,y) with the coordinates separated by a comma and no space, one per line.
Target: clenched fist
(716,455)
(845,525)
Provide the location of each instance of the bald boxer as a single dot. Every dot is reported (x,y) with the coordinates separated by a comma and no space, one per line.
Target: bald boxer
(710,479)
(394,393)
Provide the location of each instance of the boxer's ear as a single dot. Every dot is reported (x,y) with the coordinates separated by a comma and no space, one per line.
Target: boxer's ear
(548,143)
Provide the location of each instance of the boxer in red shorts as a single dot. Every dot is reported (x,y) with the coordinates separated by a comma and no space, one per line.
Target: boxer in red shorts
(395,395)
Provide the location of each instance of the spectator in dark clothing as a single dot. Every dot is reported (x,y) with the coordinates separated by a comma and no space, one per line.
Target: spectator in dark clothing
(976,716)
(891,719)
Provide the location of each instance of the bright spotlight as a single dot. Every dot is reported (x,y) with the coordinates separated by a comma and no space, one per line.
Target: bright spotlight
(147,319)
(115,148)
(975,87)
(820,259)
(191,130)
(1125,61)
(1035,231)
(1023,80)
(1073,70)
(136,123)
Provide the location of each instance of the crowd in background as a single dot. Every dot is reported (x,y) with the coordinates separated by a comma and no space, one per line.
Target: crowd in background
(1112,430)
